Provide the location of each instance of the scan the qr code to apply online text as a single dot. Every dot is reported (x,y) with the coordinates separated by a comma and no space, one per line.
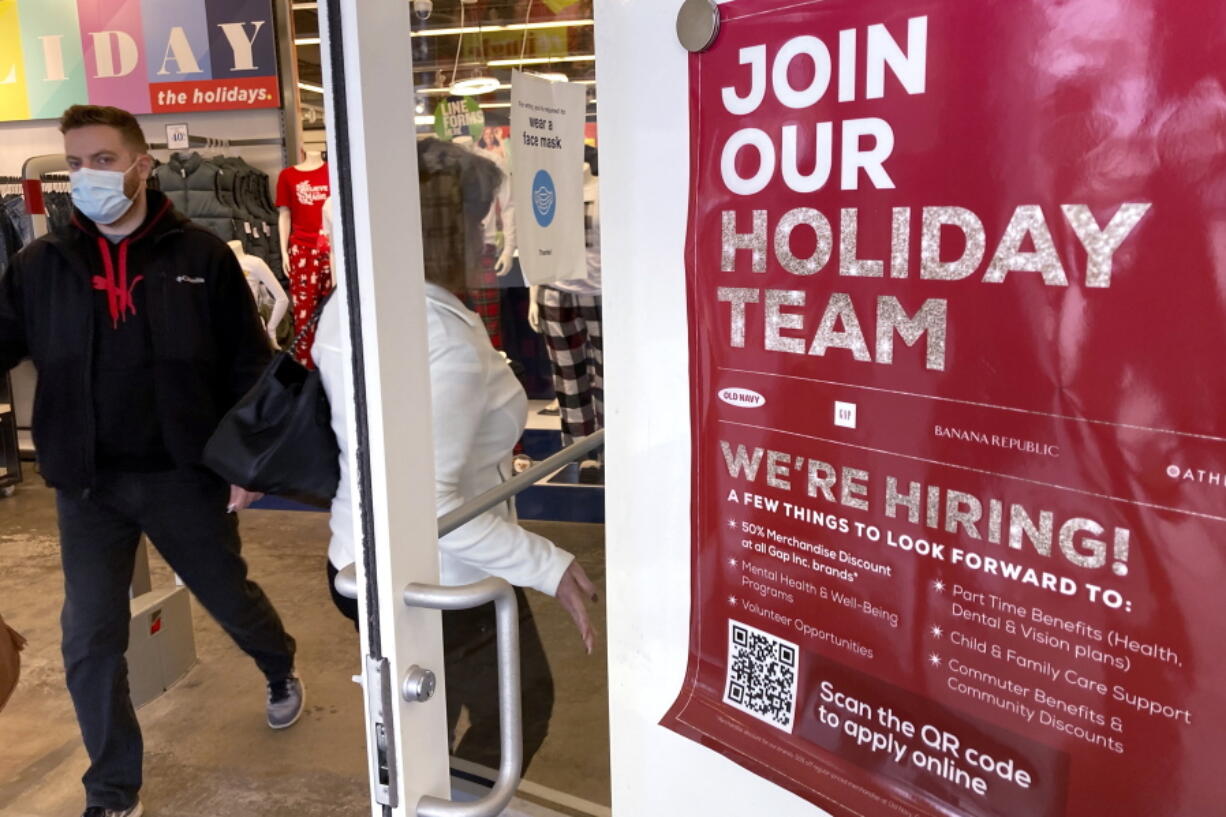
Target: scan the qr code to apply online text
(762,675)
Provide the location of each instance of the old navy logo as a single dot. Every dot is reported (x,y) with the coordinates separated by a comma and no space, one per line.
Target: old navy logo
(187,279)
(742,398)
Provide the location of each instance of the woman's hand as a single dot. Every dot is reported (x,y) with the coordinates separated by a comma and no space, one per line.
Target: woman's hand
(574,591)
(241,499)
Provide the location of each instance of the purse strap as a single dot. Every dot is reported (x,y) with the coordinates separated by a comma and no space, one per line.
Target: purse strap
(313,321)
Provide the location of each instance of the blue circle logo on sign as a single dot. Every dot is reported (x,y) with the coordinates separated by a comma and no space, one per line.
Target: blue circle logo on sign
(544,198)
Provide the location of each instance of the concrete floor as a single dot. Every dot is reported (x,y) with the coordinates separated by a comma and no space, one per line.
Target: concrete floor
(208,751)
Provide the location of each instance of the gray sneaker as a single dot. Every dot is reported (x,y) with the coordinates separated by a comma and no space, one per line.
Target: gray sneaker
(286,699)
(98,811)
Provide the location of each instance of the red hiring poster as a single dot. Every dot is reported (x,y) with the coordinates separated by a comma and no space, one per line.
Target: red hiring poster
(957,278)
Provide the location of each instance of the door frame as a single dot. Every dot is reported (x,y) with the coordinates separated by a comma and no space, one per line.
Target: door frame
(380,271)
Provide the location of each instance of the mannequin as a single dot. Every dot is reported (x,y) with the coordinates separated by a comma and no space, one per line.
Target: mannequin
(301,192)
(568,313)
(503,210)
(261,280)
(484,296)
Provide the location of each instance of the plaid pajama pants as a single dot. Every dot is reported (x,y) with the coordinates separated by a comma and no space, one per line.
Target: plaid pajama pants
(310,280)
(571,325)
(486,300)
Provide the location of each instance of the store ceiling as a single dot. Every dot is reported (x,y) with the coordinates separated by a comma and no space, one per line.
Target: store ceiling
(434,56)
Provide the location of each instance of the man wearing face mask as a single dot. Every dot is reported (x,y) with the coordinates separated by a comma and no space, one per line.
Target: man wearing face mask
(144,334)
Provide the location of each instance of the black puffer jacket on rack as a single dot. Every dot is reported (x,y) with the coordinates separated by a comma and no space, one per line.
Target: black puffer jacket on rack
(229,191)
(191,184)
(245,189)
(253,191)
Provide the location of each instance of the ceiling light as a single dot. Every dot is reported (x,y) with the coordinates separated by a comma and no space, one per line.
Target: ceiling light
(475,86)
(449,32)
(502,86)
(495,104)
(423,120)
(306,86)
(542,60)
(476,83)
(307,41)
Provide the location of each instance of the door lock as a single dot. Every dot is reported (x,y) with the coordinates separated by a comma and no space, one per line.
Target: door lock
(419,685)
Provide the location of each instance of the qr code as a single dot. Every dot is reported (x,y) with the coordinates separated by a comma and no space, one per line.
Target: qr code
(762,675)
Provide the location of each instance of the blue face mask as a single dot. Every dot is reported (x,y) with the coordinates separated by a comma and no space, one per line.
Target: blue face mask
(99,194)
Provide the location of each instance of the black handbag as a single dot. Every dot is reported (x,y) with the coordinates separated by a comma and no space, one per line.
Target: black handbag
(278,438)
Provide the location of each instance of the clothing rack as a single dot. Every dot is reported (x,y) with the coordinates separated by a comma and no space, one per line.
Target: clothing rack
(32,183)
(23,378)
(209,143)
(11,403)
(10,454)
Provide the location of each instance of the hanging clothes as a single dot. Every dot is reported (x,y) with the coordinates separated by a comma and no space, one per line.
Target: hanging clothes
(227,196)
(17,214)
(191,183)
(246,189)
(10,242)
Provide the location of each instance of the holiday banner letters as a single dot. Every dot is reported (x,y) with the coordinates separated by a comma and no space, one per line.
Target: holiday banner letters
(146,56)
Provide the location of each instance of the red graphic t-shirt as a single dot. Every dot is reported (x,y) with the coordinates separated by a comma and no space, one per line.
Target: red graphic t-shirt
(304,193)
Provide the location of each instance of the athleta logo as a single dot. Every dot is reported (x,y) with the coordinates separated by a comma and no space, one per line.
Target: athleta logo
(743,398)
(187,279)
(1186,474)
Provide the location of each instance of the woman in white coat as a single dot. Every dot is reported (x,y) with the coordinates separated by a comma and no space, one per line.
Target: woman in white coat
(480,411)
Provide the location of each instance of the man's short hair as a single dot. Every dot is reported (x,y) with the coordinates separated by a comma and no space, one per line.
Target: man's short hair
(82,116)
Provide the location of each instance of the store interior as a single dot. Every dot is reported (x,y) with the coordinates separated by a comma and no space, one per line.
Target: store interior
(207,748)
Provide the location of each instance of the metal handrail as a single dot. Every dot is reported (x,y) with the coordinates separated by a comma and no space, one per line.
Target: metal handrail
(518,484)
(510,715)
(346,582)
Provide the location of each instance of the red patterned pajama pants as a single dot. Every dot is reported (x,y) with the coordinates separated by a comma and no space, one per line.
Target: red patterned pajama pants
(310,280)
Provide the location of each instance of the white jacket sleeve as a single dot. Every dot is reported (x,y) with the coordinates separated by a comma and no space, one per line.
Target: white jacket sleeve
(490,543)
(329,357)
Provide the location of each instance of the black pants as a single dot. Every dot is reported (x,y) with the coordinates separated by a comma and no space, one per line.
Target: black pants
(184,514)
(470,656)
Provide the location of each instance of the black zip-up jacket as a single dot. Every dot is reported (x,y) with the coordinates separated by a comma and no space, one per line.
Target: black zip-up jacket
(208,344)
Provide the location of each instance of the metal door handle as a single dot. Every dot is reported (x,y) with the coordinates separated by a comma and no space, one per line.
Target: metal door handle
(510,717)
